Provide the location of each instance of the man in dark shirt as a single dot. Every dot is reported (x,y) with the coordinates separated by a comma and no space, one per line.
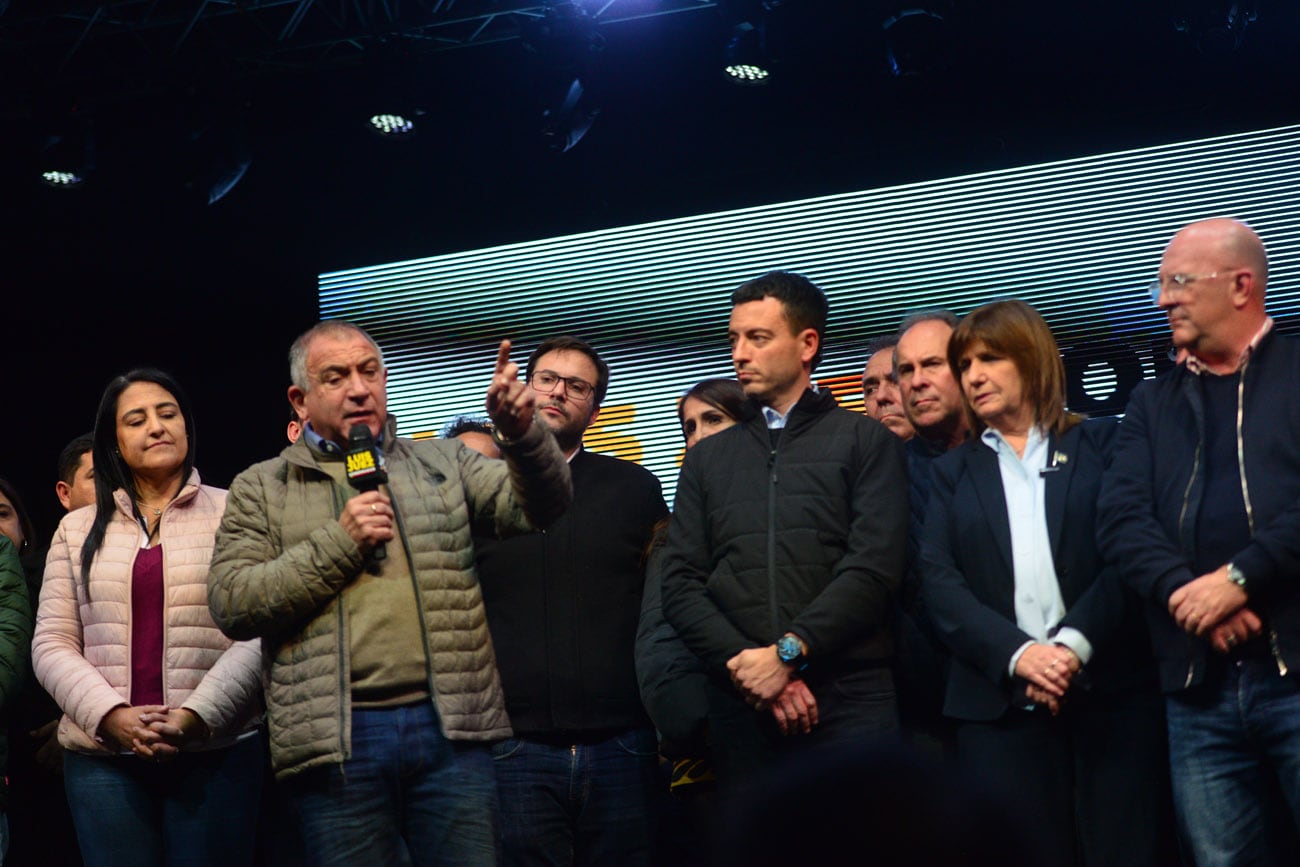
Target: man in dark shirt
(931,398)
(577,782)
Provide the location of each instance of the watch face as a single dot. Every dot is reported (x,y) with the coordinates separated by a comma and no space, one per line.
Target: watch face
(787,648)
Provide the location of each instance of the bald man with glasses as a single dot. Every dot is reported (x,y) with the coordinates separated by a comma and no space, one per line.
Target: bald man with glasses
(1200,512)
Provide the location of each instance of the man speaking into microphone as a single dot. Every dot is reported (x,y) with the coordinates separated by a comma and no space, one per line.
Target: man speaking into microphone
(382,688)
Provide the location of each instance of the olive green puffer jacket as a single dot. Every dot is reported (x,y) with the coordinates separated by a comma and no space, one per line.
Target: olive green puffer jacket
(282,560)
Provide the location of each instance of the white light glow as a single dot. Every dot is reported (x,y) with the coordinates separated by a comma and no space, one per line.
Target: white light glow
(392,124)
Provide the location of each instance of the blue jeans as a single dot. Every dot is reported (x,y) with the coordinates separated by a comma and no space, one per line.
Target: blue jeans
(589,803)
(198,809)
(1232,742)
(407,795)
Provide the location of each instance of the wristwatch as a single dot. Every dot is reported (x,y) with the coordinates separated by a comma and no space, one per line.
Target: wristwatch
(789,649)
(1236,576)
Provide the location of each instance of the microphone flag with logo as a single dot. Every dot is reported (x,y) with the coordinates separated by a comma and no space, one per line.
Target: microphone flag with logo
(366,471)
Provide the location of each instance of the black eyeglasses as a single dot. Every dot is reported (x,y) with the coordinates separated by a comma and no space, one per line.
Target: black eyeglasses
(546,381)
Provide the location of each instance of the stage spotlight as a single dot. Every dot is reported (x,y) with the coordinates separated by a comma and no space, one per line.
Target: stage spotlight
(61,179)
(1217,29)
(567,49)
(392,126)
(918,42)
(564,37)
(67,159)
(746,60)
(564,125)
(218,158)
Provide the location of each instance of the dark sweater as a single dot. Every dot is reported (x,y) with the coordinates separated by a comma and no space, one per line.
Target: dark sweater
(1154,493)
(563,604)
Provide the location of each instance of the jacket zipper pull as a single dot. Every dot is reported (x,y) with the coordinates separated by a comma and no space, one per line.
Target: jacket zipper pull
(1277,653)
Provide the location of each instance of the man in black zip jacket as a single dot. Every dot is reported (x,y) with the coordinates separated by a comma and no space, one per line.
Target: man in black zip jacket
(787,545)
(1200,512)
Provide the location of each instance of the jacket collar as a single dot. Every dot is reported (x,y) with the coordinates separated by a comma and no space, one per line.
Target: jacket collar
(304,454)
(810,405)
(187,492)
(1196,366)
(982,463)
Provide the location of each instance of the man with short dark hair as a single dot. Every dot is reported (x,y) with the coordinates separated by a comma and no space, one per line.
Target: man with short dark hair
(382,690)
(880,395)
(578,782)
(76,485)
(786,546)
(1200,513)
(475,432)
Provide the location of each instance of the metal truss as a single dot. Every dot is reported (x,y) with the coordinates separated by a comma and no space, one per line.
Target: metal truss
(283,33)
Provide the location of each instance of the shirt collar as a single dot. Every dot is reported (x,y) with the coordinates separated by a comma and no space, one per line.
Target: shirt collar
(1198,367)
(329,447)
(1034,443)
(776,419)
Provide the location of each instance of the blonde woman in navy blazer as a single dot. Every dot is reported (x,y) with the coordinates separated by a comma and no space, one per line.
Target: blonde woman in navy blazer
(1051,682)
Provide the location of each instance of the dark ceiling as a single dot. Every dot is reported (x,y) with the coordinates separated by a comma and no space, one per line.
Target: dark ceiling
(131,269)
(296,79)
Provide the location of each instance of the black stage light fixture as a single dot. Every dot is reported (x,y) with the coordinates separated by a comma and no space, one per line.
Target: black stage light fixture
(565,123)
(215,153)
(919,41)
(392,80)
(567,46)
(1216,29)
(392,125)
(746,61)
(564,36)
(68,156)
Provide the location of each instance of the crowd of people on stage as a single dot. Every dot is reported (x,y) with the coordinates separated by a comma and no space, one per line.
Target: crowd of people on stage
(967,626)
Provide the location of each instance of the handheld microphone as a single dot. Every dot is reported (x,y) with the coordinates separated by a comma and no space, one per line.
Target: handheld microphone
(366,471)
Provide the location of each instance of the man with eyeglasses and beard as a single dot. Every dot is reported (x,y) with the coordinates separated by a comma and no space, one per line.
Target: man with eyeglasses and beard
(578,781)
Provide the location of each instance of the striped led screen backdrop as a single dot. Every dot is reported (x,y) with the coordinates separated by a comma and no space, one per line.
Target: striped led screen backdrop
(1078,239)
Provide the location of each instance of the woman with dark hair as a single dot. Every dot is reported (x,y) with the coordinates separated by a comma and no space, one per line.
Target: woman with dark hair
(671,678)
(163,762)
(1051,682)
(708,407)
(14,520)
